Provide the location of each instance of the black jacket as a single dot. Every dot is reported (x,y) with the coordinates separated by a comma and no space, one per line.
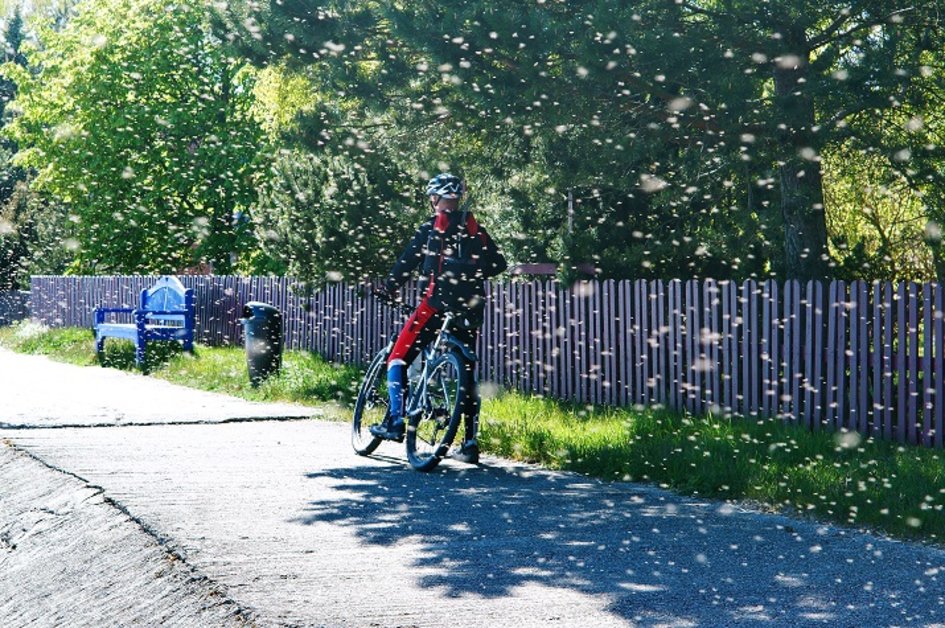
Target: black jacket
(431,250)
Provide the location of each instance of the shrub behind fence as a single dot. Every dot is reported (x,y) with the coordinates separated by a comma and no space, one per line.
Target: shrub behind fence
(867,357)
(14,306)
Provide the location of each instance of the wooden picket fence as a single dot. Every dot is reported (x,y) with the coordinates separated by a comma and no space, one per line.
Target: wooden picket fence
(860,356)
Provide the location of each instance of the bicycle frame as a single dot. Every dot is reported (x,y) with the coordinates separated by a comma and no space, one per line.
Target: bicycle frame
(418,399)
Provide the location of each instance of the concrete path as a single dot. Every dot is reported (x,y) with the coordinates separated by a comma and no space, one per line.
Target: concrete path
(68,557)
(37,392)
(291,528)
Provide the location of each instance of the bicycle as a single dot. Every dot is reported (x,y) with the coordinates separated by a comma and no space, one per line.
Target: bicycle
(439,393)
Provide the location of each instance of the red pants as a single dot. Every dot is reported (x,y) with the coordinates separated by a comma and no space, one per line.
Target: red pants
(419,330)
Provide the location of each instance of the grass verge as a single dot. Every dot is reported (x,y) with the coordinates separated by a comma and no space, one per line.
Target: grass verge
(832,476)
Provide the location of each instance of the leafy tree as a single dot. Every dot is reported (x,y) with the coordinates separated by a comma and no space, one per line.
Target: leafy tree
(35,238)
(710,117)
(140,122)
(325,219)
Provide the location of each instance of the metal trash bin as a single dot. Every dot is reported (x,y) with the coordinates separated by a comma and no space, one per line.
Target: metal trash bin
(262,334)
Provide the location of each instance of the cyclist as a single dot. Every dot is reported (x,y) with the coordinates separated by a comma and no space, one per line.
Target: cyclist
(455,255)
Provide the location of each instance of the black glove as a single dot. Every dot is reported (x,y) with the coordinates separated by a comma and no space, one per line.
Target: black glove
(386,292)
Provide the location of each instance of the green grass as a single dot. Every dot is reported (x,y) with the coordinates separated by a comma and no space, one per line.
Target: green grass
(832,476)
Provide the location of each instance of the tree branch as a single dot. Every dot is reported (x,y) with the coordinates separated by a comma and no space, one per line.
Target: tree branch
(827,37)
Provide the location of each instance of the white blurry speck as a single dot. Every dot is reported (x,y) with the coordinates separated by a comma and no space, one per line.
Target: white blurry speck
(6,227)
(651,183)
(933,231)
(701,559)
(913,522)
(63,133)
(807,153)
(788,62)
(334,275)
(128,173)
(582,71)
(759,57)
(848,440)
(915,124)
(488,390)
(680,104)
(725,510)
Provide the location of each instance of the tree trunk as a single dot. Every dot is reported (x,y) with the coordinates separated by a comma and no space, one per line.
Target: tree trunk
(802,196)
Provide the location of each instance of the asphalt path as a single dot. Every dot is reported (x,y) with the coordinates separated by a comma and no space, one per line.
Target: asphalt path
(289,527)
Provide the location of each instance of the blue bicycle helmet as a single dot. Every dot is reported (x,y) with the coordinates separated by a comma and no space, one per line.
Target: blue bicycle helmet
(446,185)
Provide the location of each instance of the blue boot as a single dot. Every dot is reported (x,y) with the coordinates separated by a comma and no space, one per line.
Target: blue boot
(393,427)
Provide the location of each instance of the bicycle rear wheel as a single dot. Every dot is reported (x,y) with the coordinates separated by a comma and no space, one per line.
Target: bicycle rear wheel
(431,431)
(371,406)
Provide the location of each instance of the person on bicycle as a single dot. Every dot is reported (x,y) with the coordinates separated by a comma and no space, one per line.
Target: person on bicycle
(455,255)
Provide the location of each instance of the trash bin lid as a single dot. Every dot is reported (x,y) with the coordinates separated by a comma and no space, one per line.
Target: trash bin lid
(253,309)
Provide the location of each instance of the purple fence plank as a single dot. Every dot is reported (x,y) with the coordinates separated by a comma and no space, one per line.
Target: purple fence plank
(913,377)
(876,360)
(938,369)
(841,345)
(889,315)
(862,321)
(697,348)
(745,406)
(927,387)
(774,348)
(833,306)
(900,366)
(729,349)
(787,366)
(673,344)
(710,334)
(853,356)
(766,349)
(659,345)
(796,373)
(609,375)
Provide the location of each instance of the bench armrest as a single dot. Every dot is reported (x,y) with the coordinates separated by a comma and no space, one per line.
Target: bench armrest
(100,312)
(162,312)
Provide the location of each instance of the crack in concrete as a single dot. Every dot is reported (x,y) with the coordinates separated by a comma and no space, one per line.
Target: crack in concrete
(174,554)
(61,426)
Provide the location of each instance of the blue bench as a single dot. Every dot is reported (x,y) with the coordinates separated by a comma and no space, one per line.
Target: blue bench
(165,312)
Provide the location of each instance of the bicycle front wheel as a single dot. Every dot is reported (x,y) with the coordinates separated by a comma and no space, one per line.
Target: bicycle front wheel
(371,406)
(431,431)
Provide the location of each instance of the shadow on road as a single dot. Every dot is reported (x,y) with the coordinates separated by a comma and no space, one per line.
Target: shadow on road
(487,532)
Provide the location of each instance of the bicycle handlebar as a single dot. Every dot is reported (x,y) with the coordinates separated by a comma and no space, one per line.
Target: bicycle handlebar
(385,298)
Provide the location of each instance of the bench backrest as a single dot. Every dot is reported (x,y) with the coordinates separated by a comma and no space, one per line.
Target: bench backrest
(168,294)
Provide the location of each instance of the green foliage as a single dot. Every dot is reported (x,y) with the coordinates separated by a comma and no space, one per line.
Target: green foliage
(140,122)
(706,133)
(34,238)
(878,222)
(331,217)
